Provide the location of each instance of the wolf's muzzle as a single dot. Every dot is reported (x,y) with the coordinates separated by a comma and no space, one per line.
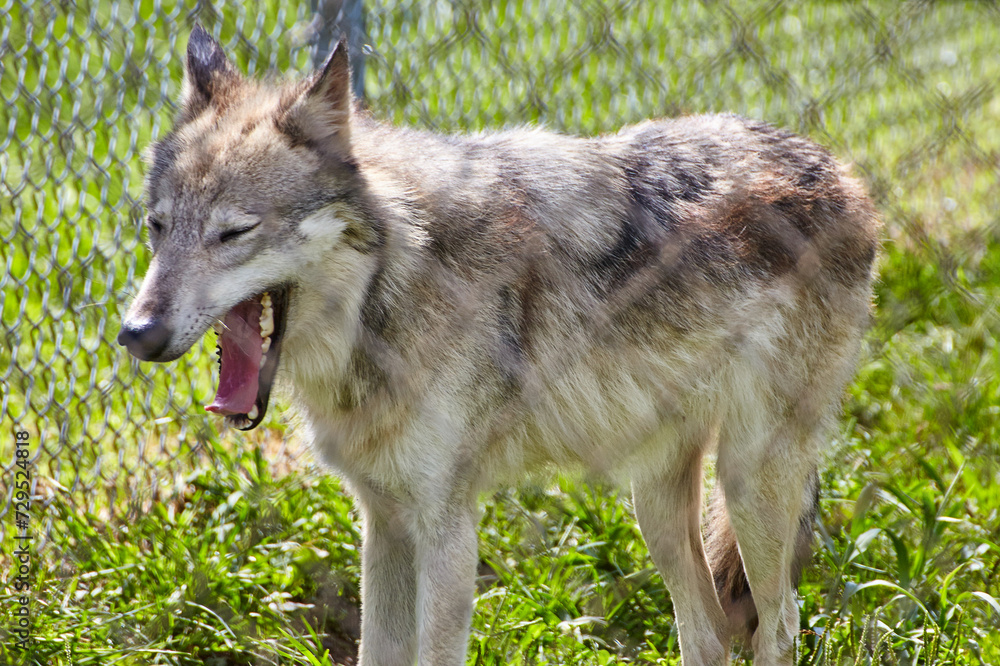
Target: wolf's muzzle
(146,340)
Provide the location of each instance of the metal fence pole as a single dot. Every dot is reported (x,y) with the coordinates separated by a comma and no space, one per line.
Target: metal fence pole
(338,18)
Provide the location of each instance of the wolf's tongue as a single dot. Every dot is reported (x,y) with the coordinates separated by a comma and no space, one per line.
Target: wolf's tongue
(240,342)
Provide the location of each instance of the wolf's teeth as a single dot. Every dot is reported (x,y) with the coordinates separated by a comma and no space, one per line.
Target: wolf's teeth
(252,414)
(265,300)
(266,322)
(264,346)
(217,327)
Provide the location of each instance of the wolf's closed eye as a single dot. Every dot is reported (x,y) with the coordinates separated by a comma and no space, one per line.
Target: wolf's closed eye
(232,234)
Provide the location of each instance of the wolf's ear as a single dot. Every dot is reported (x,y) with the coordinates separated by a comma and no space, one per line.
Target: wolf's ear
(332,86)
(320,115)
(208,74)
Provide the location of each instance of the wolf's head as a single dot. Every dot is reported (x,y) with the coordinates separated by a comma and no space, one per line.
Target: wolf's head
(247,190)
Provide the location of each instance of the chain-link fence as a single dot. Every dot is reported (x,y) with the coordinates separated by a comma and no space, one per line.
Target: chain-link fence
(906,91)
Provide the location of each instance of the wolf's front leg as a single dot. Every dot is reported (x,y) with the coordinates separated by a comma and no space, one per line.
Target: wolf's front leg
(388,585)
(446,573)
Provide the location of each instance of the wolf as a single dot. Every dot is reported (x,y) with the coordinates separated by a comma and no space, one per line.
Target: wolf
(449,312)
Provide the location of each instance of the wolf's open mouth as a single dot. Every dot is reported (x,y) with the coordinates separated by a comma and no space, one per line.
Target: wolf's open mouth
(249,345)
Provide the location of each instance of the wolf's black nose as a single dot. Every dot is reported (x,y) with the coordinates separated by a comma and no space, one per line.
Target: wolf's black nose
(145,340)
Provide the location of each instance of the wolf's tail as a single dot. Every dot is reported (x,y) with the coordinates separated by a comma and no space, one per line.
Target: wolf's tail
(731,583)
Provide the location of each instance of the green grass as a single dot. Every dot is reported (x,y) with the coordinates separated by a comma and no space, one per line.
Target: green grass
(167,542)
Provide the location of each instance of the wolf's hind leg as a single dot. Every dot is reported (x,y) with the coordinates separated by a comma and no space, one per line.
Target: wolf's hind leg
(668,507)
(727,565)
(765,482)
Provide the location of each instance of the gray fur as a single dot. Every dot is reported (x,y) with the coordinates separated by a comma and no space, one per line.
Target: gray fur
(466,308)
